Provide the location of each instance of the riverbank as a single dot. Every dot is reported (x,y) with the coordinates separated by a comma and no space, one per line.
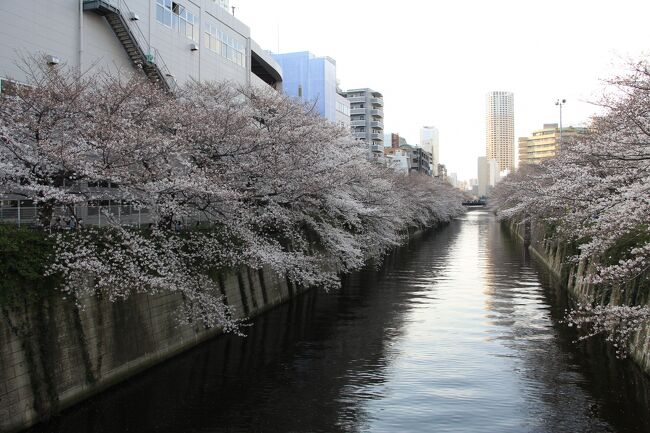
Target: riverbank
(574,277)
(456,331)
(55,353)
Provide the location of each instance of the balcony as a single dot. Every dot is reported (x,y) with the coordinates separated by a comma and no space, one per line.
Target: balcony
(354,99)
(354,111)
(357,123)
(377,124)
(376,136)
(377,148)
(377,102)
(377,112)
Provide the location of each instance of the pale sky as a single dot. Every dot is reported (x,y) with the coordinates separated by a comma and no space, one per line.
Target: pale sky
(435,60)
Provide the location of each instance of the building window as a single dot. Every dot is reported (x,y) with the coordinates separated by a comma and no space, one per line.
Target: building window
(177,17)
(222,43)
(343,108)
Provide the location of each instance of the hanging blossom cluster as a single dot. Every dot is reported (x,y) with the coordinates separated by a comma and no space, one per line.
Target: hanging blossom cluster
(617,323)
(255,178)
(596,192)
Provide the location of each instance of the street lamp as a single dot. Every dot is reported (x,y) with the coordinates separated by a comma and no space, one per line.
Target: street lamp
(560,103)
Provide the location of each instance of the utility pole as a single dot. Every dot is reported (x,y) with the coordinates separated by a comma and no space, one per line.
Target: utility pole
(560,103)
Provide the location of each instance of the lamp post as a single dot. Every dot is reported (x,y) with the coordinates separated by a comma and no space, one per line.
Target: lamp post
(560,103)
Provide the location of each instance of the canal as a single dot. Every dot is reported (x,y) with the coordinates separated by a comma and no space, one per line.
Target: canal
(457,332)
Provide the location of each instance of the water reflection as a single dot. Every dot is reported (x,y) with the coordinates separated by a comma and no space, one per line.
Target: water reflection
(457,332)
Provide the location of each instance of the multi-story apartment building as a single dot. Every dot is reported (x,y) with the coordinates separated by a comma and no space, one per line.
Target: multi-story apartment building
(500,130)
(312,80)
(545,143)
(430,141)
(173,41)
(420,159)
(367,117)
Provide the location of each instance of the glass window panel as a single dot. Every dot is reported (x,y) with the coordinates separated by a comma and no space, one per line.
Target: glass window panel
(195,33)
(167,18)
(206,39)
(160,14)
(160,2)
(168,4)
(181,26)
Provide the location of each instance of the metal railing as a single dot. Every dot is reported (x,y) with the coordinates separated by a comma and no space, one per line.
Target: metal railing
(64,218)
(151,54)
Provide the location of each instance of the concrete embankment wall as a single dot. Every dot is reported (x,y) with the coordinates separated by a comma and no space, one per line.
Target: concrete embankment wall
(573,276)
(54,353)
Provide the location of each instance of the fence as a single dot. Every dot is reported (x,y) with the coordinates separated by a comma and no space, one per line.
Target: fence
(120,214)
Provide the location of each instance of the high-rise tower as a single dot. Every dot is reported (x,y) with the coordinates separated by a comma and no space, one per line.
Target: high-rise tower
(429,141)
(500,130)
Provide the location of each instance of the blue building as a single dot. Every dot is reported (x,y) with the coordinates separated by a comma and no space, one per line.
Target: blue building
(313,80)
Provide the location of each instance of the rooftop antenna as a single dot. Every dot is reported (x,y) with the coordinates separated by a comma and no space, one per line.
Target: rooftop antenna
(233,11)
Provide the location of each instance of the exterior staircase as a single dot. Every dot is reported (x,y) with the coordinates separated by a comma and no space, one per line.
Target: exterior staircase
(122,21)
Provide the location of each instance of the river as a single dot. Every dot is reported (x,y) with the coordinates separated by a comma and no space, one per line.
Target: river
(457,332)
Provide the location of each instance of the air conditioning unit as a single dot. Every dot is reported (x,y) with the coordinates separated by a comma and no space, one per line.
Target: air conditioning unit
(194,47)
(133,16)
(52,60)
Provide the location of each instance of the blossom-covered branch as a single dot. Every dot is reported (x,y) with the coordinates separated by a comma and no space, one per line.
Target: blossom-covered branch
(229,177)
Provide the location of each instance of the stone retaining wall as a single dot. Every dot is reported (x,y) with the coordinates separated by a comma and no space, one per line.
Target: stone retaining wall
(573,276)
(54,353)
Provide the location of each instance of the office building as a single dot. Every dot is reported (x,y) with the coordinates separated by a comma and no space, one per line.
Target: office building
(312,80)
(500,130)
(545,143)
(488,175)
(172,41)
(367,117)
(429,140)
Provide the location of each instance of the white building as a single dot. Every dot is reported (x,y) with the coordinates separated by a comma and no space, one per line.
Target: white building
(500,129)
(488,175)
(430,141)
(399,160)
(453,180)
(172,41)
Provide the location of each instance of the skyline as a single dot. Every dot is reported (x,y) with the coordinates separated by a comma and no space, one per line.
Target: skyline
(424,59)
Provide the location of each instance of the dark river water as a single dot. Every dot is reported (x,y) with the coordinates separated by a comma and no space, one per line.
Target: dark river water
(457,332)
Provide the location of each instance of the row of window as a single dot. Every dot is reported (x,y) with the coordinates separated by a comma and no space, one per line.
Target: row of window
(342,108)
(221,43)
(177,17)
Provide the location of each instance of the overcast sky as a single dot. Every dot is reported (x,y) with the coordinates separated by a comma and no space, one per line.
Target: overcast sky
(435,60)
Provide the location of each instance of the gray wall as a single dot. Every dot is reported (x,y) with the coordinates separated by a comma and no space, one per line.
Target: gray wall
(572,276)
(54,354)
(85,40)
(53,27)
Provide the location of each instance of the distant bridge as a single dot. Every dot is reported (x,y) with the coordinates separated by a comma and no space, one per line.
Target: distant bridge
(479,202)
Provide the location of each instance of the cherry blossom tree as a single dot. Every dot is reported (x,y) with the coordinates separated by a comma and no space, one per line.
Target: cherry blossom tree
(596,193)
(252,177)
